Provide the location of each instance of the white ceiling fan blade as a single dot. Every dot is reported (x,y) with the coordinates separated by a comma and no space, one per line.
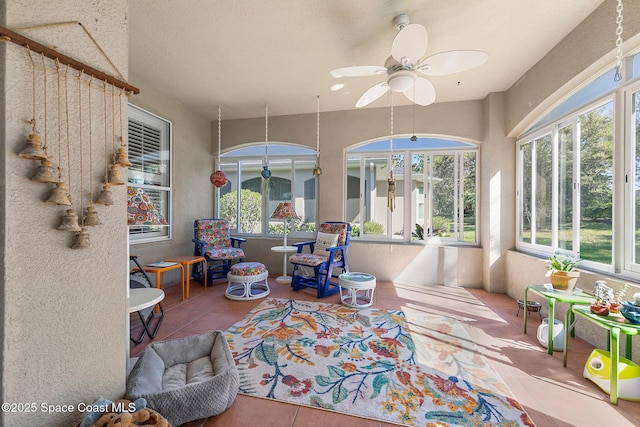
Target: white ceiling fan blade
(452,62)
(410,44)
(422,93)
(358,71)
(372,94)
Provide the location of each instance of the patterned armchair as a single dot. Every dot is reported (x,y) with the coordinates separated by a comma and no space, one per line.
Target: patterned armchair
(213,241)
(326,259)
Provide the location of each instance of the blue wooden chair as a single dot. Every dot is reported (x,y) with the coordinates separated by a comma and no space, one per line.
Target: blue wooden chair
(213,241)
(325,259)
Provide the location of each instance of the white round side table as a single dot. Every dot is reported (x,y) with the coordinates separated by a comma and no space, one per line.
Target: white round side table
(284,279)
(356,289)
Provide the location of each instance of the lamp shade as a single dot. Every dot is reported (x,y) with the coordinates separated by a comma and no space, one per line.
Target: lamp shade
(141,210)
(284,211)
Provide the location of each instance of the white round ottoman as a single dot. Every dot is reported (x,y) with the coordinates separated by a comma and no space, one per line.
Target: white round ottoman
(356,289)
(247,281)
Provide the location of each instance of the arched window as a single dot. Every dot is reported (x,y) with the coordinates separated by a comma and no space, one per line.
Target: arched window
(404,189)
(249,209)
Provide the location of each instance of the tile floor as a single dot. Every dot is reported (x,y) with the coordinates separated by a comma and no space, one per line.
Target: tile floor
(551,394)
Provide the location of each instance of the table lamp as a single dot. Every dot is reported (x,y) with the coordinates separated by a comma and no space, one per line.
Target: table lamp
(285,212)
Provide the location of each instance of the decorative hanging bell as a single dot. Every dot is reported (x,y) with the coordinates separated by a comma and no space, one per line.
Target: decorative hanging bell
(69,221)
(91,217)
(59,195)
(218,178)
(266,173)
(82,240)
(33,150)
(105,198)
(45,173)
(122,158)
(317,171)
(114,175)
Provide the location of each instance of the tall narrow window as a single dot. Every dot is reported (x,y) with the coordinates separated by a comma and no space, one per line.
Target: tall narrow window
(149,142)
(566,185)
(596,184)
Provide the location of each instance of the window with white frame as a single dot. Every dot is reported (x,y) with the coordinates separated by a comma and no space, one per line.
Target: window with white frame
(412,190)
(578,182)
(149,177)
(247,201)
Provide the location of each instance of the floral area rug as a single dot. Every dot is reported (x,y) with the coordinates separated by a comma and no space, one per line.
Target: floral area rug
(370,363)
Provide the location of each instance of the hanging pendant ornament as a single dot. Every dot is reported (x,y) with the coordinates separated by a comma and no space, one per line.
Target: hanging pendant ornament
(317,171)
(391,194)
(218,178)
(82,240)
(59,195)
(266,173)
(69,221)
(45,172)
(114,172)
(391,202)
(122,157)
(90,218)
(33,150)
(105,198)
(114,175)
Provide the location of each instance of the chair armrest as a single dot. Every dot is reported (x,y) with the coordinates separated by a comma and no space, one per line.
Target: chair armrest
(237,241)
(301,245)
(200,244)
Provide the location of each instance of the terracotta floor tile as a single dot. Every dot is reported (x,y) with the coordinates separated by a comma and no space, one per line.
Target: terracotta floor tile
(253,412)
(552,394)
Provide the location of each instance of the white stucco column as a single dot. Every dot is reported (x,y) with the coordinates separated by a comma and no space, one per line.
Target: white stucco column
(498,198)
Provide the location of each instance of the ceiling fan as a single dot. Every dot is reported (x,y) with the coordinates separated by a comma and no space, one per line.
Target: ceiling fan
(401,68)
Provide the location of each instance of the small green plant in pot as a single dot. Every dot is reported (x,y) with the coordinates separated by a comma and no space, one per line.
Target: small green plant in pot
(562,272)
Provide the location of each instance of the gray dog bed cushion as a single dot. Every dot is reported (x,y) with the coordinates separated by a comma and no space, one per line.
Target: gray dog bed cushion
(186,379)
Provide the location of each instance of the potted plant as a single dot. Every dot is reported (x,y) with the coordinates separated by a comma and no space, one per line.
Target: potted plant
(562,272)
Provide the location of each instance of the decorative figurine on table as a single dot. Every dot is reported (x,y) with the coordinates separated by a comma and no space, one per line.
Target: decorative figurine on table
(604,296)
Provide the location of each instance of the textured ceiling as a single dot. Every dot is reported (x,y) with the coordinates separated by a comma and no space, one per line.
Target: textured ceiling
(243,54)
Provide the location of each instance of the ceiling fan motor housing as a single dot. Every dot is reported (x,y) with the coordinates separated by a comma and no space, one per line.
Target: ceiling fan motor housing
(401,21)
(401,81)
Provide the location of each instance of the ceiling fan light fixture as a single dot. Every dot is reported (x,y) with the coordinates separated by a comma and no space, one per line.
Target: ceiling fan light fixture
(401,81)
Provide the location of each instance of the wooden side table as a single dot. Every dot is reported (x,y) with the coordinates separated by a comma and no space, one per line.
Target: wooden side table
(187,262)
(159,269)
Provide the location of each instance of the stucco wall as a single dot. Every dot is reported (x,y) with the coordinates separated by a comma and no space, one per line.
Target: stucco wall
(64,334)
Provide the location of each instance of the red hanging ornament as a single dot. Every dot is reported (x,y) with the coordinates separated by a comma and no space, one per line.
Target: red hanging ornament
(219,179)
